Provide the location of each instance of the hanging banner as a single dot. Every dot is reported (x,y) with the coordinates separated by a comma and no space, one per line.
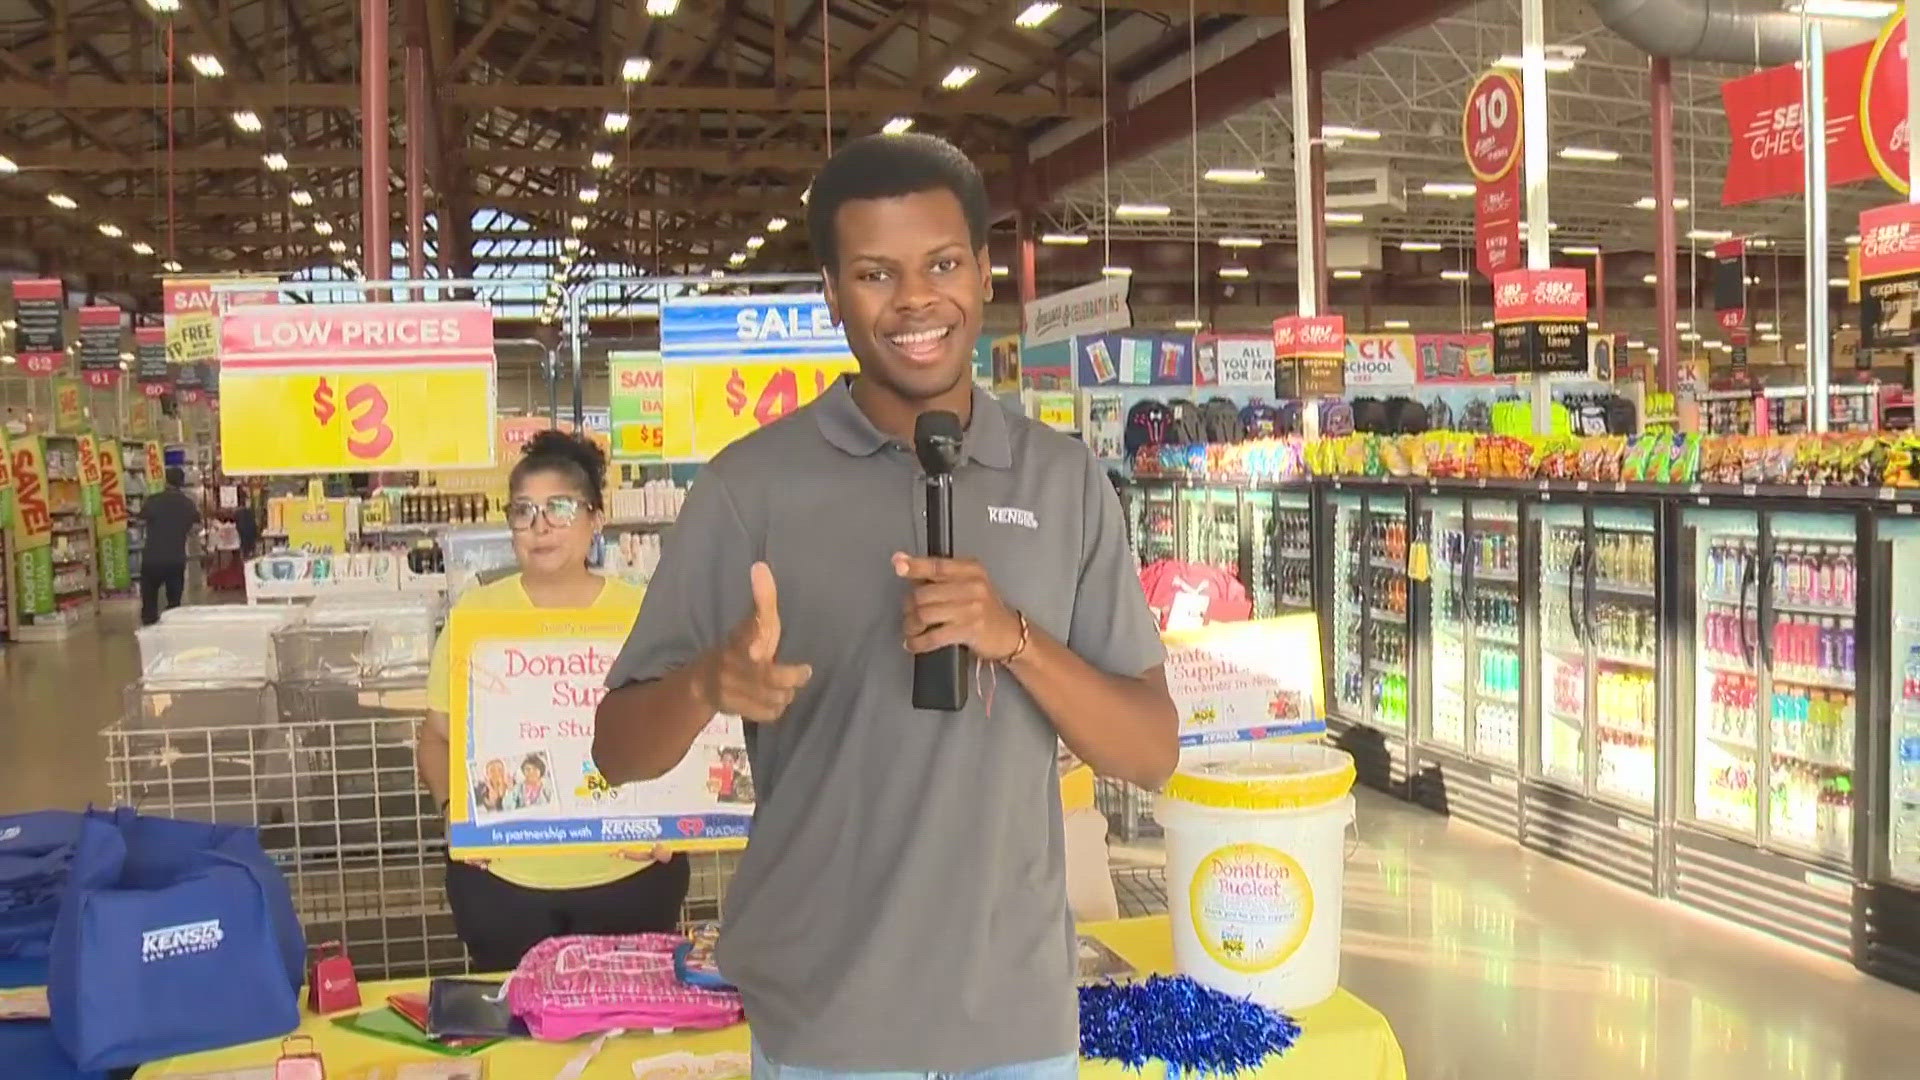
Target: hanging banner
(156,468)
(1234,361)
(731,365)
(189,319)
(1243,681)
(110,521)
(356,387)
(32,528)
(1883,103)
(40,329)
(1087,309)
(1730,298)
(1490,135)
(525,686)
(1134,359)
(1310,355)
(100,346)
(89,475)
(69,406)
(1890,277)
(6,490)
(1540,322)
(142,418)
(633,406)
(150,361)
(1453,359)
(1380,360)
(1764,118)
(189,383)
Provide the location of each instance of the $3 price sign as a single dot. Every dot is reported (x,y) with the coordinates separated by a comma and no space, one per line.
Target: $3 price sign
(344,420)
(368,434)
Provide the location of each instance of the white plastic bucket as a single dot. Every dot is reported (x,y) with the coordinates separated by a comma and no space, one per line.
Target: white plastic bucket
(1256,854)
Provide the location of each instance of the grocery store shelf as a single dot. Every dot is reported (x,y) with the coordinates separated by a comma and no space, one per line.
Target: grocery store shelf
(1383,615)
(1624,588)
(1816,762)
(1826,610)
(1745,746)
(1812,682)
(1624,660)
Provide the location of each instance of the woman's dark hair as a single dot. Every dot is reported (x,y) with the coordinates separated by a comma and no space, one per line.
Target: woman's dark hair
(537,762)
(575,457)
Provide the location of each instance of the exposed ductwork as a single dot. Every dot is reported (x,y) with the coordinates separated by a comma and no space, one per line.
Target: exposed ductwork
(1721,30)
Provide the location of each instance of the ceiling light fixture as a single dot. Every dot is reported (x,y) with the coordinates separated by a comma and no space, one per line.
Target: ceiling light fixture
(1451,189)
(1555,65)
(274,160)
(636,69)
(1342,131)
(1714,235)
(1233,175)
(207,64)
(738,258)
(1649,279)
(601,159)
(571,243)
(1588,153)
(616,121)
(1843,9)
(246,120)
(172,266)
(1116,271)
(1421,245)
(338,247)
(323,226)
(1396,324)
(141,247)
(7,165)
(1235,273)
(959,76)
(1188,324)
(301,197)
(1065,239)
(1142,210)
(1347,275)
(1001,271)
(896,126)
(755,243)
(1344,217)
(577,222)
(108,228)
(1579,249)
(1035,14)
(1853,240)
(164,7)
(62,201)
(1454,275)
(1240,241)
(1770,336)
(660,9)
(777,224)
(589,195)
(1836,283)
(1646,202)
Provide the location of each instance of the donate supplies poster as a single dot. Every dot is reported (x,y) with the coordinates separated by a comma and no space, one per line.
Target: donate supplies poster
(1241,681)
(525,686)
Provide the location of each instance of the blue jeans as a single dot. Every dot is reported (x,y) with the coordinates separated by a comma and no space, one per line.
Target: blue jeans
(1061,1068)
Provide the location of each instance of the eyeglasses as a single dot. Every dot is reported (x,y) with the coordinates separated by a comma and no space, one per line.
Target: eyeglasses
(560,511)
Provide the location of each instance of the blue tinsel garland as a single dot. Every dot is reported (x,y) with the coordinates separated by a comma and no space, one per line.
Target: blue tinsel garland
(1176,1020)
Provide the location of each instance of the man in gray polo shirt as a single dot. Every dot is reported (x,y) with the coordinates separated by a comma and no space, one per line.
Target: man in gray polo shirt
(902,906)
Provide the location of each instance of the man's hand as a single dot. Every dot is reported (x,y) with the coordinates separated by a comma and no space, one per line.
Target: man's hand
(953,602)
(741,677)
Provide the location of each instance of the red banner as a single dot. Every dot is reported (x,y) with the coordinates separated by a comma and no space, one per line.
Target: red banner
(1764,118)
(1889,241)
(1524,295)
(1490,138)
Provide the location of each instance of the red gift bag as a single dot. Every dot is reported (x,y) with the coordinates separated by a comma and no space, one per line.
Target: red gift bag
(331,984)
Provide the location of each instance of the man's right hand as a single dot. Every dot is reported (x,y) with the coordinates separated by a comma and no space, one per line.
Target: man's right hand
(741,676)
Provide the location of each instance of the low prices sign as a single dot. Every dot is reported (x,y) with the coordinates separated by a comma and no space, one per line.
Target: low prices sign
(40,332)
(1309,355)
(100,346)
(1540,322)
(634,405)
(732,364)
(32,528)
(1490,137)
(150,361)
(356,387)
(1890,277)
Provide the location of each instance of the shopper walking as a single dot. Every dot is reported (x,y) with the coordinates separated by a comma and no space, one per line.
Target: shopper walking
(171,518)
(504,907)
(901,906)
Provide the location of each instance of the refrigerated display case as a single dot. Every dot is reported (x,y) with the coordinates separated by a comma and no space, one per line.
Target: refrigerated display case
(1593,721)
(1210,527)
(1370,647)
(1887,905)
(1151,518)
(1279,551)
(1764,826)
(1468,745)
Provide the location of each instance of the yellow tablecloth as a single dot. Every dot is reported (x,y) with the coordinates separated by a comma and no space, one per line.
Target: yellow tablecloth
(1343,1037)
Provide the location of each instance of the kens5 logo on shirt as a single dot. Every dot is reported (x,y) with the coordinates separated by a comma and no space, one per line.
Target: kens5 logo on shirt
(1012,515)
(185,939)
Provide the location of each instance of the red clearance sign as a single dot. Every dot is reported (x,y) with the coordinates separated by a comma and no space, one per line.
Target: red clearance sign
(1490,137)
(1764,117)
(1883,103)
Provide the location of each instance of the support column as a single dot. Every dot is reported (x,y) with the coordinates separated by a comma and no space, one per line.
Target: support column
(1533,112)
(418,135)
(1600,290)
(1317,188)
(1025,275)
(1813,111)
(1308,196)
(376,248)
(1666,286)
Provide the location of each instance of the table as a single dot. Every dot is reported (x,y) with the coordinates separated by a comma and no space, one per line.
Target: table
(1343,1037)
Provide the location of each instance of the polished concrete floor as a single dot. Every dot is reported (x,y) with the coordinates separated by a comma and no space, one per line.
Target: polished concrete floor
(1491,962)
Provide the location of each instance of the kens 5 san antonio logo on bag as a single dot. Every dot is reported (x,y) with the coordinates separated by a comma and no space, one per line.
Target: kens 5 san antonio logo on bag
(185,939)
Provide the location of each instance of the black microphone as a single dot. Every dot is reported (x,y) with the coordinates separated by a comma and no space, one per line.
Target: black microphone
(940,676)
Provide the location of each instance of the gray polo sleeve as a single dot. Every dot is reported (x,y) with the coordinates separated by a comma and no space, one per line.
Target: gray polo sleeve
(1112,628)
(699,590)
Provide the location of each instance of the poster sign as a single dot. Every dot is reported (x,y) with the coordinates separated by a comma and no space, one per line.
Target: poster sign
(1490,136)
(523,779)
(1240,681)
(1053,408)
(150,361)
(69,406)
(1764,117)
(40,329)
(110,521)
(731,365)
(1085,310)
(32,528)
(1309,355)
(1453,359)
(1540,322)
(1890,276)
(1003,359)
(634,406)
(188,317)
(317,527)
(100,346)
(1376,360)
(1134,359)
(1234,361)
(6,485)
(89,474)
(356,387)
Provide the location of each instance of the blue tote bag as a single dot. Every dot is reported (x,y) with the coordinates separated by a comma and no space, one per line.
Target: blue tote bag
(35,850)
(173,937)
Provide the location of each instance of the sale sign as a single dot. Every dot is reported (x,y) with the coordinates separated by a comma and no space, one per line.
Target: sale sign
(69,406)
(100,345)
(1540,322)
(1890,276)
(110,522)
(89,474)
(40,329)
(189,320)
(156,467)
(730,365)
(1490,136)
(525,686)
(1765,119)
(32,528)
(637,388)
(356,387)
(1309,354)
(6,482)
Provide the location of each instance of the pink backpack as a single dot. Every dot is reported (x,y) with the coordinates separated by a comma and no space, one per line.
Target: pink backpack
(566,987)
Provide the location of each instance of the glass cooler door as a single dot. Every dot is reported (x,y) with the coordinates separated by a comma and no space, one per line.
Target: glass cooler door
(1560,751)
(1903,676)
(1493,616)
(1386,639)
(1348,525)
(1623,635)
(1721,729)
(1807,600)
(1210,527)
(1281,525)
(1447,612)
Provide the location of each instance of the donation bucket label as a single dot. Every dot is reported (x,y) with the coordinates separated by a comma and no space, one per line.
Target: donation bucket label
(1251,906)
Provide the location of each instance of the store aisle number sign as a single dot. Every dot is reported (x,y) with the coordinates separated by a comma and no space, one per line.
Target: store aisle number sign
(32,527)
(525,686)
(1490,136)
(40,326)
(731,365)
(356,387)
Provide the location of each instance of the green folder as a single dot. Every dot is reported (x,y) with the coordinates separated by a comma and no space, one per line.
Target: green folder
(384,1023)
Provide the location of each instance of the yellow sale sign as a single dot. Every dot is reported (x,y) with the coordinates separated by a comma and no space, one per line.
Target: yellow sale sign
(69,407)
(356,387)
(706,406)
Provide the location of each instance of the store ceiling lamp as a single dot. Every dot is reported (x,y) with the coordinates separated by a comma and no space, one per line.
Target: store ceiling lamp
(1396,324)
(246,120)
(141,247)
(738,258)
(577,221)
(755,243)
(1001,271)
(571,243)
(1344,217)
(62,201)
(1758,242)
(1649,279)
(163,7)
(1589,153)
(8,165)
(1853,240)
(589,195)
(1770,336)
(207,65)
(1714,235)
(601,160)
(1230,175)
(1421,245)
(323,226)
(1559,59)
(1646,202)
(274,160)
(1763,327)
(636,69)
(616,121)
(1454,275)
(338,247)
(1035,14)
(777,224)
(301,197)
(1235,273)
(1347,275)
(108,228)
(172,266)
(1142,210)
(1064,239)
(1345,132)
(1843,9)
(1188,324)
(1116,271)
(1579,249)
(1836,283)
(1451,189)
(1240,241)
(660,9)
(959,76)
(899,125)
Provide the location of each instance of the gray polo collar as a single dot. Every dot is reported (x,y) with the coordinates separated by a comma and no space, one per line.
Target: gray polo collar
(988,441)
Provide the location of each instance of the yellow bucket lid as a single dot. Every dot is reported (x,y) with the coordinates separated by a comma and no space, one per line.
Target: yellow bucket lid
(1262,776)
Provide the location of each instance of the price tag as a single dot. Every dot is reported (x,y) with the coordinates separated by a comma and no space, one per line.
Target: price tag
(1693,489)
(1619,486)
(723,402)
(1887,494)
(1480,482)
(1546,485)
(1580,486)
(1814,491)
(1749,490)
(1903,508)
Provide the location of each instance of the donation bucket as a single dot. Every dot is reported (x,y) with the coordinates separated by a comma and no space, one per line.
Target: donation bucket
(1256,853)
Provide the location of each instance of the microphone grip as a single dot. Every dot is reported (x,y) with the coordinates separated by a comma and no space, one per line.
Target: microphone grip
(940,676)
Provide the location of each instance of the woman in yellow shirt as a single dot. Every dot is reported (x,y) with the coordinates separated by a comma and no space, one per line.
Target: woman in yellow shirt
(504,907)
